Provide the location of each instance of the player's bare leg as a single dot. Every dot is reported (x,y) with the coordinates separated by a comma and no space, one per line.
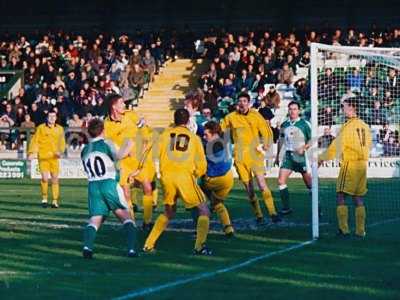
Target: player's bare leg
(342,213)
(159,226)
(203,225)
(360,216)
(55,188)
(249,187)
(130,229)
(127,193)
(44,187)
(284,191)
(267,197)
(89,235)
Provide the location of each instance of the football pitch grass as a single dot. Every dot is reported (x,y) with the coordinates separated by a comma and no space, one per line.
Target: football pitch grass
(40,251)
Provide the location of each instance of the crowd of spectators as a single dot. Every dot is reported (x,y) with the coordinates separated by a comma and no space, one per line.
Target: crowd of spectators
(73,74)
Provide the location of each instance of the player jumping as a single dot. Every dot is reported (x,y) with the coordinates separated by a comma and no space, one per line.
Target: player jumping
(246,126)
(122,125)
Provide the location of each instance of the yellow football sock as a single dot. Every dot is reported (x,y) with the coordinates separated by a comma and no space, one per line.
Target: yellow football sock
(223,215)
(158,228)
(256,207)
(360,220)
(343,215)
(44,186)
(203,224)
(269,202)
(147,208)
(55,188)
(155,197)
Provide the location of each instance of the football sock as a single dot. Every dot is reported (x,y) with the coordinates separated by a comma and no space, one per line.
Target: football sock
(89,235)
(223,215)
(55,188)
(44,186)
(154,193)
(158,228)
(147,208)
(360,220)
(131,234)
(343,215)
(155,197)
(284,192)
(256,207)
(269,202)
(203,224)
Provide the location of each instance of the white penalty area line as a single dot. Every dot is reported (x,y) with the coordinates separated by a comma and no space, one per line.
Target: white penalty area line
(171,284)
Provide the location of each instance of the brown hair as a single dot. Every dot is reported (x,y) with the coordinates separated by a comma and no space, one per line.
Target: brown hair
(111,100)
(213,127)
(95,127)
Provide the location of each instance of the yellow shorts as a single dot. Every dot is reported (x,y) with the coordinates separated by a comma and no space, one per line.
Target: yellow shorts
(352,178)
(147,173)
(219,186)
(127,166)
(247,168)
(184,186)
(51,165)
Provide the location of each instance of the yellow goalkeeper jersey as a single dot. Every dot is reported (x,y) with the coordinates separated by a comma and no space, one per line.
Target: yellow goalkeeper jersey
(352,143)
(247,130)
(181,151)
(47,141)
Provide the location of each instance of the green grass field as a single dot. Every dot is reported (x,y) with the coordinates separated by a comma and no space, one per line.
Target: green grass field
(40,251)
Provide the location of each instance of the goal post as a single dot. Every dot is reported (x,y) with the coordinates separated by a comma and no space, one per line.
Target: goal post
(371,75)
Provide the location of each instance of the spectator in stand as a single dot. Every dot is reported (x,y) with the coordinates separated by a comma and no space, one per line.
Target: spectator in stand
(136,79)
(355,81)
(391,147)
(244,82)
(377,115)
(392,83)
(228,89)
(286,74)
(328,85)
(326,139)
(272,99)
(149,64)
(326,116)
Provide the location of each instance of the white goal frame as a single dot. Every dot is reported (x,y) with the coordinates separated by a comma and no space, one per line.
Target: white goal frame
(388,53)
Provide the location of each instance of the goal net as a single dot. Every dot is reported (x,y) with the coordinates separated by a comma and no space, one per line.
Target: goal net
(372,76)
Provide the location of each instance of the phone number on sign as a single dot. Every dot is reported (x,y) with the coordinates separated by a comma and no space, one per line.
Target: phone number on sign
(11,175)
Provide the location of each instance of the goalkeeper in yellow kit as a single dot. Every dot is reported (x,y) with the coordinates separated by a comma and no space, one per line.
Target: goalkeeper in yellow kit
(252,136)
(48,143)
(120,126)
(182,162)
(351,146)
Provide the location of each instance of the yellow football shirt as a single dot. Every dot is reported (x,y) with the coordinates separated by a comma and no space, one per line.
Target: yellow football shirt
(47,141)
(180,150)
(247,130)
(352,143)
(120,131)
